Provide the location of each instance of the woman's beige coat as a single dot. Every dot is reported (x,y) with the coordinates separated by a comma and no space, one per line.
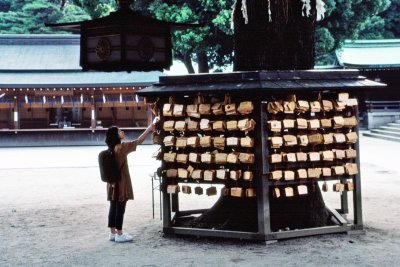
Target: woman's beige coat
(125,185)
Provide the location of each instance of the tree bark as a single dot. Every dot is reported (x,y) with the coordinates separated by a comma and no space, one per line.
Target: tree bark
(240,214)
(285,43)
(187,60)
(202,60)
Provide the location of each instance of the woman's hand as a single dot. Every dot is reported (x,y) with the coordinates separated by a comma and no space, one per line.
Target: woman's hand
(155,122)
(149,129)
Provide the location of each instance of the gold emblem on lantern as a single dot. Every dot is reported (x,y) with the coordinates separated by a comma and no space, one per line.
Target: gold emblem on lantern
(103,49)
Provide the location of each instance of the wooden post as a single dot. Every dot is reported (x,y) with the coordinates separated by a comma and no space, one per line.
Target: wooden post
(93,114)
(357,199)
(16,113)
(264,221)
(149,114)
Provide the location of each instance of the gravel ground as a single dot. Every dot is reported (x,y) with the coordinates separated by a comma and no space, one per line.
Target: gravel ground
(53,212)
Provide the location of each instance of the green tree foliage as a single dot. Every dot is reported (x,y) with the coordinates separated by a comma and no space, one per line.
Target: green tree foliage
(72,13)
(21,16)
(344,19)
(348,19)
(324,44)
(210,45)
(95,8)
(5,5)
(213,42)
(392,20)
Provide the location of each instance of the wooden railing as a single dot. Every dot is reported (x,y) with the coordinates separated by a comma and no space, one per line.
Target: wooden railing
(68,104)
(383,106)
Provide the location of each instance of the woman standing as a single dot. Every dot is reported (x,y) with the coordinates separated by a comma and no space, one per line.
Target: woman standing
(119,193)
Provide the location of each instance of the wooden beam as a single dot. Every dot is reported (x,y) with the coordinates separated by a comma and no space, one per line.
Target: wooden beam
(54,93)
(74,105)
(117,104)
(6,105)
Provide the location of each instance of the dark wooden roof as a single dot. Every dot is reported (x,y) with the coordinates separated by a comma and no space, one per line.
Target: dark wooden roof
(261,81)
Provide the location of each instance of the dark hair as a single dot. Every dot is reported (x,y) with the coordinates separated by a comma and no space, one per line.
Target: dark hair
(112,138)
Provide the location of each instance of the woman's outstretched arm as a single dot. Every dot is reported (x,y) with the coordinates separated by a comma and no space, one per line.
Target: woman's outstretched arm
(149,129)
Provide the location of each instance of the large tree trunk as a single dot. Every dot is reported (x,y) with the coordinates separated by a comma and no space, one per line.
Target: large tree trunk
(240,214)
(187,60)
(285,43)
(202,60)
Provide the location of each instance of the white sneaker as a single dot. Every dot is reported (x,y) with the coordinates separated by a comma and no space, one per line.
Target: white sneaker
(111,237)
(123,238)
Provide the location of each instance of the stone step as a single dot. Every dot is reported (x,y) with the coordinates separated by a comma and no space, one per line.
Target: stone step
(386,132)
(383,137)
(397,121)
(389,128)
(394,124)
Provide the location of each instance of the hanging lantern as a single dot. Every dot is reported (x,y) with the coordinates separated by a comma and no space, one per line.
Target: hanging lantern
(124,41)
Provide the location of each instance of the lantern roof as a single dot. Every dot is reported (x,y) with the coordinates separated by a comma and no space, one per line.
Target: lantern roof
(122,17)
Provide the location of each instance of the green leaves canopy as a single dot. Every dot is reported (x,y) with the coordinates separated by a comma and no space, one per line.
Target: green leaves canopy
(344,19)
(20,16)
(349,19)
(214,39)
